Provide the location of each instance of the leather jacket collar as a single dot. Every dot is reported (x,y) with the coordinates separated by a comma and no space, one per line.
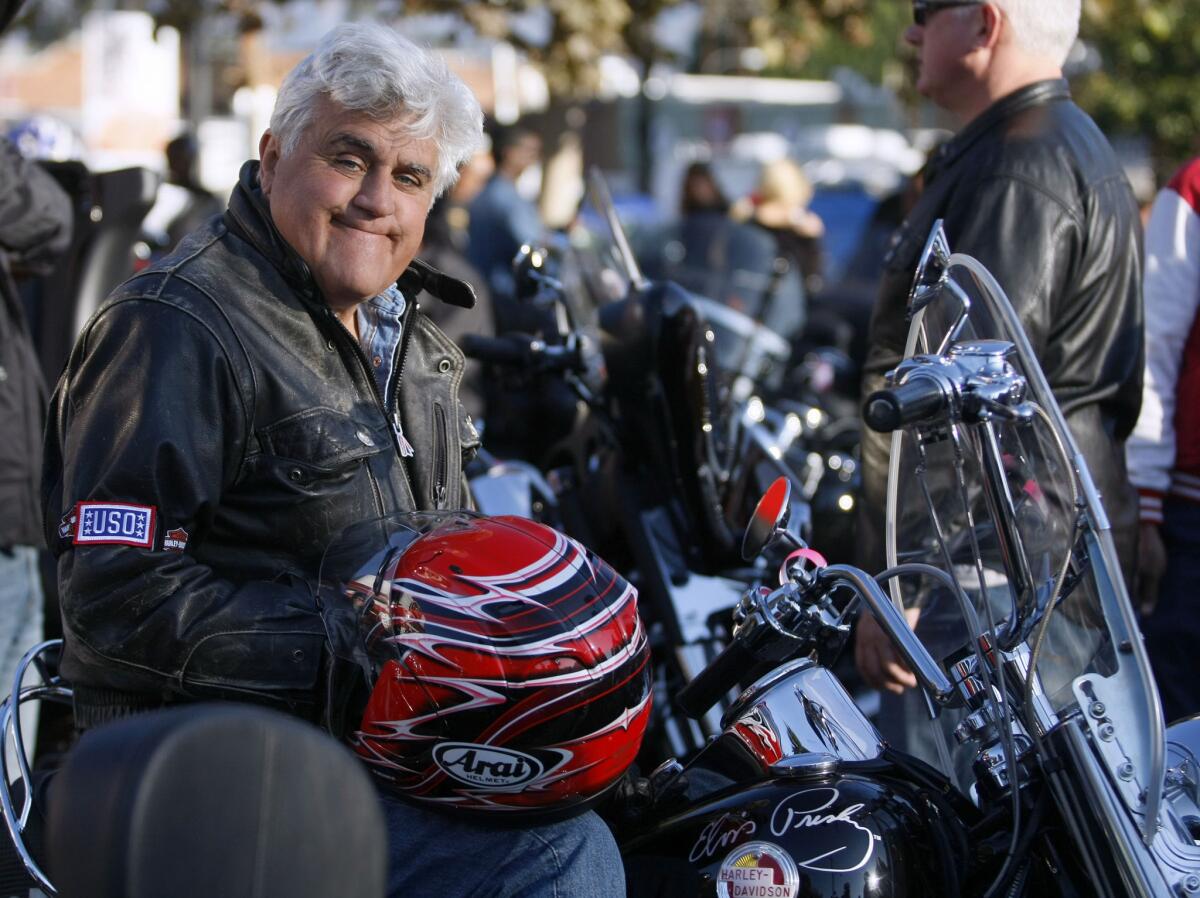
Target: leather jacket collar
(249,217)
(1036,94)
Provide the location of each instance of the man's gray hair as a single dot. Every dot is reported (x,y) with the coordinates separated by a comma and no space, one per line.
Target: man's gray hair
(1046,28)
(374,70)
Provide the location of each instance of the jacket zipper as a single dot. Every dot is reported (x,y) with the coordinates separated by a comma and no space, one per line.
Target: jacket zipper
(402,442)
(393,419)
(439,457)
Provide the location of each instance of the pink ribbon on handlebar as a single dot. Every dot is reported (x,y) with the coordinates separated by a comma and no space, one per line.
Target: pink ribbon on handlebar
(815,558)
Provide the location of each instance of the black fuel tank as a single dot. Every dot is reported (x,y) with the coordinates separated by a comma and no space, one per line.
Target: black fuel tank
(846,835)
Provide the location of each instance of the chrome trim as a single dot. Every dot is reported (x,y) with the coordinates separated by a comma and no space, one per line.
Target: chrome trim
(894,623)
(1118,611)
(52,688)
(810,714)
(1140,873)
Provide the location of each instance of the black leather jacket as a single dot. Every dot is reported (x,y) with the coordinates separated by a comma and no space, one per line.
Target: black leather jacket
(219,389)
(1033,190)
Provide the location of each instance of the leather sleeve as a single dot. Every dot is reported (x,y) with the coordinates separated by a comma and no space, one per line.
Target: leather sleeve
(150,413)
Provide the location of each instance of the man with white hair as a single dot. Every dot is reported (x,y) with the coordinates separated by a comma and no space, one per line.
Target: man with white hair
(271,382)
(1031,188)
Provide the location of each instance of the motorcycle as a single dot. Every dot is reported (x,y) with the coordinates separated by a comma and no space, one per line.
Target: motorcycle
(1073,786)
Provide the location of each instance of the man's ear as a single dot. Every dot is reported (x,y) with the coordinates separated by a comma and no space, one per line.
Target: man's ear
(268,154)
(991,25)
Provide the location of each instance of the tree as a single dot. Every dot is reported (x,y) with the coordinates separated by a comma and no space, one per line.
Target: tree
(1145,81)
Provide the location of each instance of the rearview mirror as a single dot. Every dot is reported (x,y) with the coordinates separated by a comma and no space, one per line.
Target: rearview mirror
(770,519)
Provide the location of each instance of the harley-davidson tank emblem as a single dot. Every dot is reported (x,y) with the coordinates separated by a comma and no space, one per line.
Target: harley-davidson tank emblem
(758,870)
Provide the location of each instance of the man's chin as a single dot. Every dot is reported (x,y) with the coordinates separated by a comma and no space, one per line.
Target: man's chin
(348,295)
(355,288)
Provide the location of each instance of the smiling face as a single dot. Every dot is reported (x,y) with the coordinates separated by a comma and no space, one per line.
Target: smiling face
(351,199)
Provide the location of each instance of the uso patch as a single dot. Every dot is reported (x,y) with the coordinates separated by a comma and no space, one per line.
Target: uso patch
(112,524)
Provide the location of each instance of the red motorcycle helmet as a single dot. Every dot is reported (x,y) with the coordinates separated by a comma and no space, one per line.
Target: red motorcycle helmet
(510,670)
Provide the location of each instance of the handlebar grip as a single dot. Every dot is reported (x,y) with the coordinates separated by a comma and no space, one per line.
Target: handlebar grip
(888,410)
(721,675)
(510,350)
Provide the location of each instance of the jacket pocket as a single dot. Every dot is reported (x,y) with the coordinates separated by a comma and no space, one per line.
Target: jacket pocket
(319,446)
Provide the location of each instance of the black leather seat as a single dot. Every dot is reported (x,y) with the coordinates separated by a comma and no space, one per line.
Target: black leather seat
(214,801)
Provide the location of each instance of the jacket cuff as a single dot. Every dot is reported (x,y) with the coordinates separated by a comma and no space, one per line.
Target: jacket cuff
(1150,506)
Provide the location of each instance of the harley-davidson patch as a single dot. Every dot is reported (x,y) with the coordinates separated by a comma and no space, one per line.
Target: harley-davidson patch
(175,540)
(758,870)
(113,524)
(66,527)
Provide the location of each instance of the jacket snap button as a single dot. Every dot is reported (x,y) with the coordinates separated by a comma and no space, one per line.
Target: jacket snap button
(295,475)
(298,654)
(329,345)
(444,366)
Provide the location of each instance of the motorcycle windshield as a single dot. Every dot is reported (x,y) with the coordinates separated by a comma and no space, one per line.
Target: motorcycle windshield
(1007,508)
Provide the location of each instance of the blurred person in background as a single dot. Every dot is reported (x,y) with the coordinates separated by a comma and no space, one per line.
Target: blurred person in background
(232,409)
(443,248)
(183,171)
(501,219)
(35,229)
(700,194)
(732,262)
(699,251)
(454,207)
(1164,451)
(1030,187)
(780,207)
(181,203)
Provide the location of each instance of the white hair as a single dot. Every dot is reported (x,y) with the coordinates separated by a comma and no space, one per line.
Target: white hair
(1046,28)
(375,70)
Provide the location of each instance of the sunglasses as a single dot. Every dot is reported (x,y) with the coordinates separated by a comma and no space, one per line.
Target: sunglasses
(922,9)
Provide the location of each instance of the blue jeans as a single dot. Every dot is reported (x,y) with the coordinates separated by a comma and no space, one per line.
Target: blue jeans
(435,853)
(20,629)
(1172,630)
(20,609)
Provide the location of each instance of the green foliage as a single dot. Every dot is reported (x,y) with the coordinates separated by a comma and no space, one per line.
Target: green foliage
(795,36)
(580,32)
(1145,84)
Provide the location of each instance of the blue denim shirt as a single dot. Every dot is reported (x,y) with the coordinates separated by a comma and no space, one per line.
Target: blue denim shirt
(380,327)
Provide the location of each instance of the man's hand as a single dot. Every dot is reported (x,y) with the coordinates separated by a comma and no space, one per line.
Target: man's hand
(1152,564)
(876,656)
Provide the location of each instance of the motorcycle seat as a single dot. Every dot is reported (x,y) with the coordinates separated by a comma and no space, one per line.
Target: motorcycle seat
(213,799)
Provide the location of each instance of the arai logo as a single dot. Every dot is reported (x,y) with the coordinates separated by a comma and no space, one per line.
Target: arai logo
(487,765)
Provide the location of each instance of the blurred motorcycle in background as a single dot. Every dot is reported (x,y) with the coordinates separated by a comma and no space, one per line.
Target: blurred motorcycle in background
(652,441)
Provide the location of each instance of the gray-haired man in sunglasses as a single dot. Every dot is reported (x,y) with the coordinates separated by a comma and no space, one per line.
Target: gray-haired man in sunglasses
(1031,188)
